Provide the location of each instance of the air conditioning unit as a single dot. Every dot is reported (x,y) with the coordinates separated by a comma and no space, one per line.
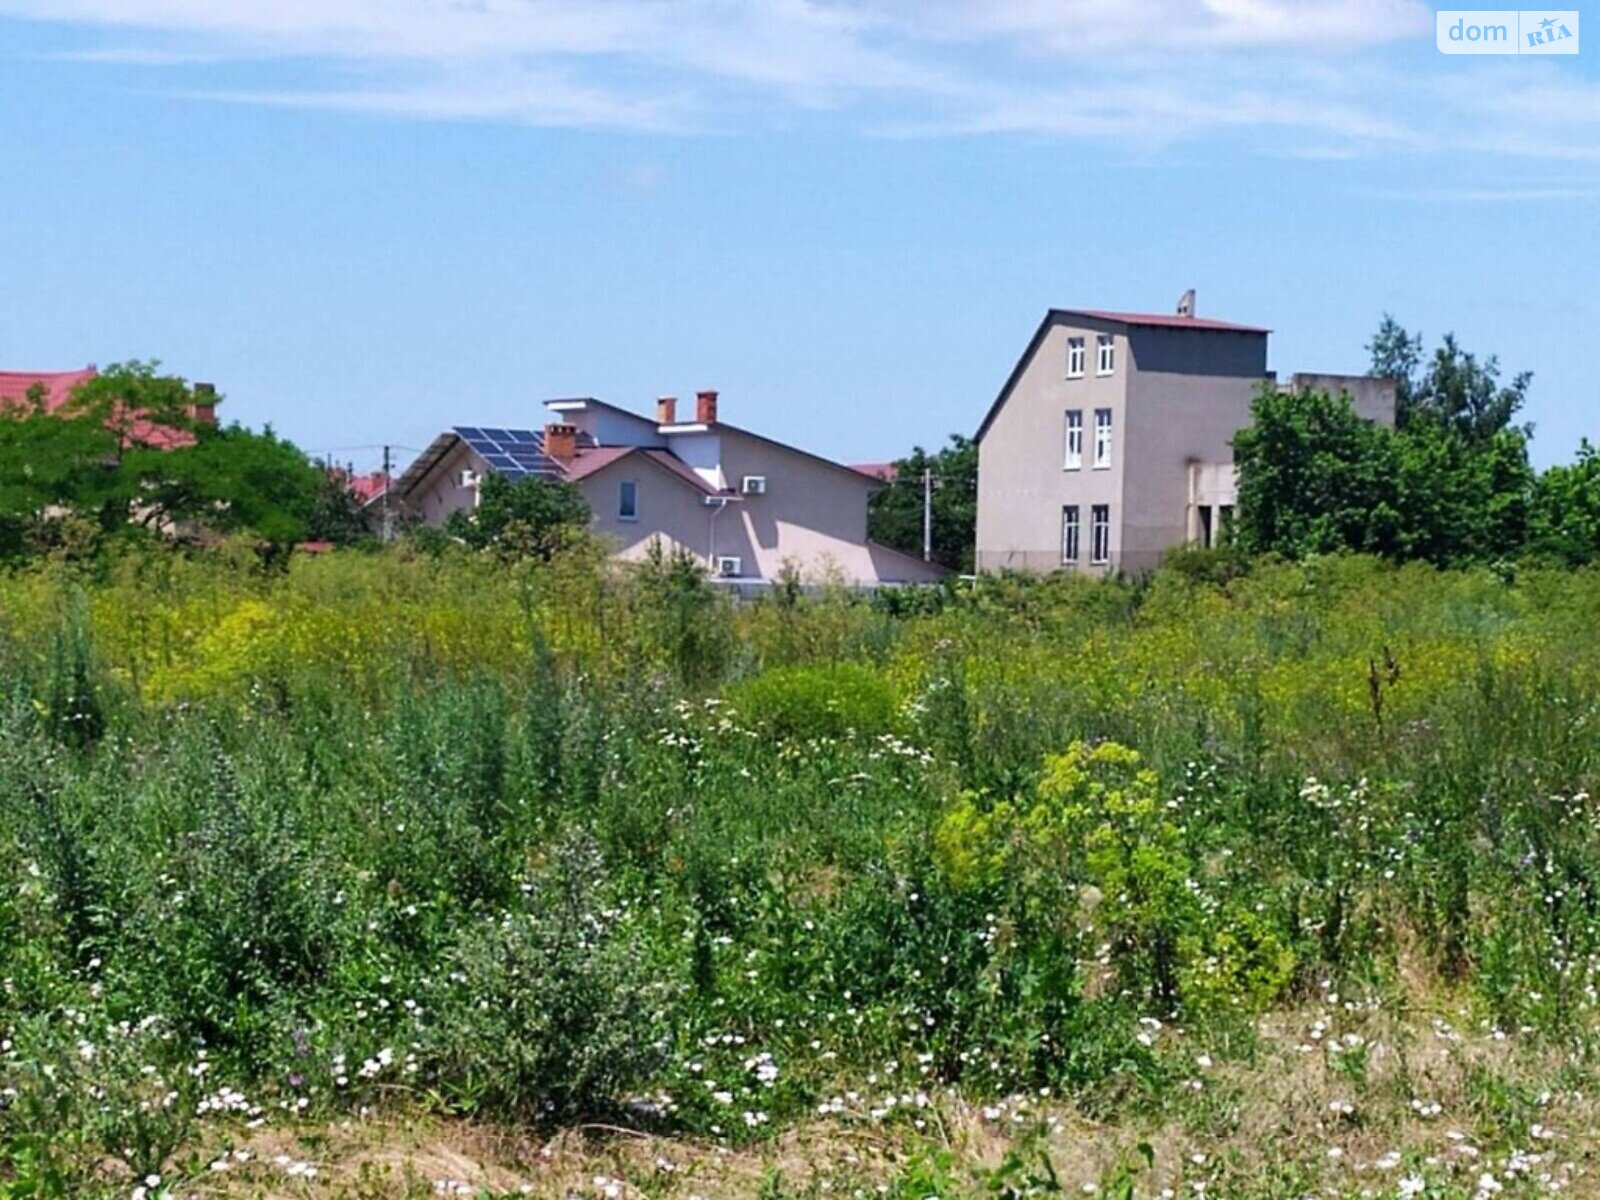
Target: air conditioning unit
(754,485)
(729,567)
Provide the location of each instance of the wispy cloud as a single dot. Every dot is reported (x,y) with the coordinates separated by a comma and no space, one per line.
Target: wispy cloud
(1487,195)
(1320,78)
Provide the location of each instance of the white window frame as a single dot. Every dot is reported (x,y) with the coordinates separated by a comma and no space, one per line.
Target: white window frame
(1077,357)
(1105,354)
(1102,438)
(1071,533)
(1100,534)
(1072,440)
(628,489)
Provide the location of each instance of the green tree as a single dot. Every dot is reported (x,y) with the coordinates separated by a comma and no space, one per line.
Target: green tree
(894,515)
(51,466)
(528,517)
(1455,389)
(336,512)
(126,448)
(231,480)
(1565,519)
(1314,477)
(1397,355)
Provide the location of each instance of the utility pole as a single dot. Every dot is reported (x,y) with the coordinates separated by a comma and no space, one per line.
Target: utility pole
(928,480)
(387,532)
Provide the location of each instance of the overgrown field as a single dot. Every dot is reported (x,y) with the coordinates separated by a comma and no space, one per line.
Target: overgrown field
(1283,885)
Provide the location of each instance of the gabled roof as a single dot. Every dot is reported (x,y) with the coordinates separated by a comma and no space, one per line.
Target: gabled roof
(1138,320)
(588,460)
(692,427)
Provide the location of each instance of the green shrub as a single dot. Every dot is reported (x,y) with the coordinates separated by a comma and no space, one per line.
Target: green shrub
(550,1014)
(827,700)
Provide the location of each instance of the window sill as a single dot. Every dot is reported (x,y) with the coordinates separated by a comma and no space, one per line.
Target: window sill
(628,520)
(1073,467)
(1101,467)
(1104,374)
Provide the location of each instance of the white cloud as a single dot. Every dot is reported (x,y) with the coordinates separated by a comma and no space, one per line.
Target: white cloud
(1312,78)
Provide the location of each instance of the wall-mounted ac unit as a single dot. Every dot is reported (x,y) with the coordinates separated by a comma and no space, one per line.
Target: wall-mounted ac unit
(754,485)
(729,567)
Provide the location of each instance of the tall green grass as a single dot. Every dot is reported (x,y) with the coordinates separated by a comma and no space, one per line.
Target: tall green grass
(557,842)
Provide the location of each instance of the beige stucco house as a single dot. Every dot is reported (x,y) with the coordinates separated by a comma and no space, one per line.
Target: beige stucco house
(1111,441)
(743,504)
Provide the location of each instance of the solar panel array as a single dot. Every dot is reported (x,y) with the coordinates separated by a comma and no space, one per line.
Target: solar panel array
(512,452)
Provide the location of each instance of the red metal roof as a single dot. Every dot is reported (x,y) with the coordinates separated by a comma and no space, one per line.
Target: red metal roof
(1167,321)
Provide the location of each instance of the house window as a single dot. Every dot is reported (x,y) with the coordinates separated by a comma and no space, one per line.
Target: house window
(1205,525)
(1102,437)
(1107,362)
(1100,534)
(1069,533)
(1224,524)
(628,501)
(1075,357)
(1074,451)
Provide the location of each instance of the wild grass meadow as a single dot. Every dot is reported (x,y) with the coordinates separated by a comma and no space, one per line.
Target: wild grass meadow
(394,874)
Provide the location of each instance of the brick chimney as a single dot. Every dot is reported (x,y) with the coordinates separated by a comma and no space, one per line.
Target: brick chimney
(205,403)
(561,441)
(667,410)
(705,408)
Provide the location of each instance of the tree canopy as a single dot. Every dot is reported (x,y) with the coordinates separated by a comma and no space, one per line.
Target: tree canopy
(894,516)
(126,452)
(1453,389)
(527,517)
(1450,483)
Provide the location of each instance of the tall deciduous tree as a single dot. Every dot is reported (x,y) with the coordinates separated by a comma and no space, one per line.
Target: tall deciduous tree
(894,515)
(1454,389)
(1565,518)
(126,447)
(1316,477)
(526,517)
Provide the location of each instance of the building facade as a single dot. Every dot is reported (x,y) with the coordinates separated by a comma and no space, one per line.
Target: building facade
(1111,441)
(745,505)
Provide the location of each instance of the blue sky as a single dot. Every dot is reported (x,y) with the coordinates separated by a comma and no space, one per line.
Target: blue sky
(366,220)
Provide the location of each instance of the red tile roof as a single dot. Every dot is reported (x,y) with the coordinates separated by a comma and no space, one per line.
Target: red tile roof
(884,471)
(369,487)
(58,385)
(58,388)
(1167,321)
